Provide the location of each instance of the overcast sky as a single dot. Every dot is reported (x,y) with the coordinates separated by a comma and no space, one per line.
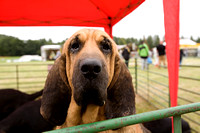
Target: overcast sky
(147,19)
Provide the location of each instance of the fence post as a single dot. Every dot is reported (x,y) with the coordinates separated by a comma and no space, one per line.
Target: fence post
(136,74)
(169,103)
(177,124)
(17,77)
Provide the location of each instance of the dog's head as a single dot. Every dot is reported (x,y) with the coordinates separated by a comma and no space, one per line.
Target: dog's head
(87,70)
(89,65)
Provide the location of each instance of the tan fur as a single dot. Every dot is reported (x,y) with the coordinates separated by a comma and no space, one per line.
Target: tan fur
(92,114)
(74,115)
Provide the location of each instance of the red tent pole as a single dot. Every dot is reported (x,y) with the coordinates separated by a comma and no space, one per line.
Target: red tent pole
(108,29)
(171,19)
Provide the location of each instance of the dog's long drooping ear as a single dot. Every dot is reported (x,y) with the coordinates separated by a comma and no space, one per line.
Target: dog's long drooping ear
(57,93)
(121,96)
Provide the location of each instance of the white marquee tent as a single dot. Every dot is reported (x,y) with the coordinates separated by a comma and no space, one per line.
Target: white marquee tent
(47,49)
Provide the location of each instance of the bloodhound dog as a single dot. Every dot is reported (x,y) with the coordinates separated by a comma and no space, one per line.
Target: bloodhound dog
(88,83)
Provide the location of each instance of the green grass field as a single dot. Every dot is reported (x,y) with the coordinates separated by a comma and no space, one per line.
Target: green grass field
(32,75)
(24,76)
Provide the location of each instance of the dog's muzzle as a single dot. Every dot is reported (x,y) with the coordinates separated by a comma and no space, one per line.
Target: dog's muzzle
(90,81)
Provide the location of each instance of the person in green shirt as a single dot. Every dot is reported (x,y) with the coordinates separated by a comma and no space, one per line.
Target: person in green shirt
(143,52)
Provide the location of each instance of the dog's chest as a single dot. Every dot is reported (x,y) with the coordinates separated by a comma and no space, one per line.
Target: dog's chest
(76,117)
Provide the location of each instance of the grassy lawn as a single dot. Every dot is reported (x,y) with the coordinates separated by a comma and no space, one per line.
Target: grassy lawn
(4,59)
(24,76)
(153,86)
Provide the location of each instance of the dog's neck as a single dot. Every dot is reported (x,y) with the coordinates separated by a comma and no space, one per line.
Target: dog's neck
(92,114)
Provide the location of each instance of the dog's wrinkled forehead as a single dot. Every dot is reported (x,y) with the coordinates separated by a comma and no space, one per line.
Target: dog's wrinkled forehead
(85,35)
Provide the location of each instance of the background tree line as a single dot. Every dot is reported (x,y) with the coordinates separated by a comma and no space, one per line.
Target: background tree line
(152,41)
(12,46)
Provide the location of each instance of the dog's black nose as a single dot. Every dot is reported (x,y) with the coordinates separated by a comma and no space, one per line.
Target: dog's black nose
(90,68)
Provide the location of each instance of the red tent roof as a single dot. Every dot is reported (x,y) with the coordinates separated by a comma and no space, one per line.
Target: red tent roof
(95,13)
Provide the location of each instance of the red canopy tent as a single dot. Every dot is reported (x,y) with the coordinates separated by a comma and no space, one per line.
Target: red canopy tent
(93,13)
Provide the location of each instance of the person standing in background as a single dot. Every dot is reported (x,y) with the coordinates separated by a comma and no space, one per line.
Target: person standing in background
(181,56)
(161,54)
(126,54)
(143,52)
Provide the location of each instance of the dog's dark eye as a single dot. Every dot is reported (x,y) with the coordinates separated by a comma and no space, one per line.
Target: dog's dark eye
(75,45)
(106,45)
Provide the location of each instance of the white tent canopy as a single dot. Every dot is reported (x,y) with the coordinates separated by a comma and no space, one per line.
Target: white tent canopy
(187,42)
(27,58)
(46,48)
